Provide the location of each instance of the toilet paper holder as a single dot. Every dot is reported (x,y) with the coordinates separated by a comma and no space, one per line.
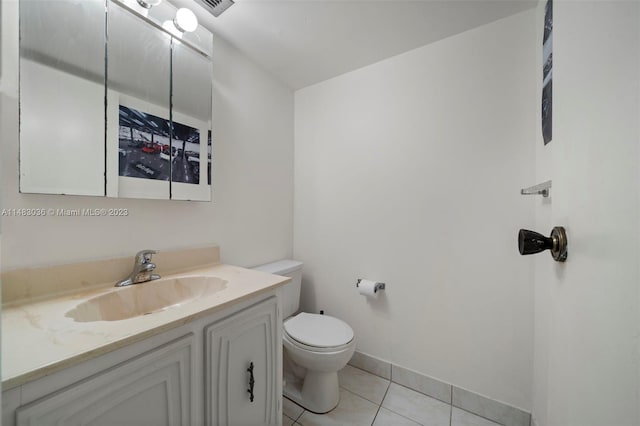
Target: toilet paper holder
(379,286)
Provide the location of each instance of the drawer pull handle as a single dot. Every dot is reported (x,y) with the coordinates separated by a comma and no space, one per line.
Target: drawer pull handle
(252,381)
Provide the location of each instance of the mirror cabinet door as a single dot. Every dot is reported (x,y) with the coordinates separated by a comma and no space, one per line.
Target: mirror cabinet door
(138,107)
(62,89)
(191,114)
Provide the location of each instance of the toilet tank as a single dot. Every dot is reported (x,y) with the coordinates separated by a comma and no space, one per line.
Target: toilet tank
(287,268)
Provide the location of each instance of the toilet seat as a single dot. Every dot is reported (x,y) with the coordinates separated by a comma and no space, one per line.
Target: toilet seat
(332,349)
(318,333)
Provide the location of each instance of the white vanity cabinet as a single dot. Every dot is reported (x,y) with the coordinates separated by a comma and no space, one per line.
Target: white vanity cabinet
(193,374)
(152,389)
(241,359)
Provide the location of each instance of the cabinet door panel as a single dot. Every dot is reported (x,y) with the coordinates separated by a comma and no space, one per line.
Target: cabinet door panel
(231,345)
(155,388)
(10,402)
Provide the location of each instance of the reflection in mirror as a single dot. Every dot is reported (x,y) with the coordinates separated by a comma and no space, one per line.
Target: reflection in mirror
(69,68)
(138,107)
(164,13)
(191,143)
(62,51)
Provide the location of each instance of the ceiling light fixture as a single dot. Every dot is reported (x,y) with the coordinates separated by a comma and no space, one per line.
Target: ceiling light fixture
(185,20)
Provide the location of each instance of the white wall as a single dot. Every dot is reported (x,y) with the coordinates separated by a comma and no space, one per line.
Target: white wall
(408,171)
(251,213)
(587,318)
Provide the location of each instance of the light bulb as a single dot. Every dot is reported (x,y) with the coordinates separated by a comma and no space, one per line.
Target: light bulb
(185,20)
(148,4)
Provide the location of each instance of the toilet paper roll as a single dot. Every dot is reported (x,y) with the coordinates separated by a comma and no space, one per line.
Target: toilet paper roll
(368,288)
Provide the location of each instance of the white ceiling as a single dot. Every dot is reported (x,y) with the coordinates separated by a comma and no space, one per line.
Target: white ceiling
(303,42)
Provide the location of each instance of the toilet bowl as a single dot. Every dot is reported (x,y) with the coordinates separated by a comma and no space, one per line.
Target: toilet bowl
(315,347)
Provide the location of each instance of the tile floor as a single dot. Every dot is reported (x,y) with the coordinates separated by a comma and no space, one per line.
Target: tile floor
(367,399)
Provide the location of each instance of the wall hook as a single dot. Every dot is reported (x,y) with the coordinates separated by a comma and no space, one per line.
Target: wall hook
(543,189)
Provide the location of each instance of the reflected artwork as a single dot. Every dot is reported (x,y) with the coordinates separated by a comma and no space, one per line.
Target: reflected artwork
(185,150)
(151,147)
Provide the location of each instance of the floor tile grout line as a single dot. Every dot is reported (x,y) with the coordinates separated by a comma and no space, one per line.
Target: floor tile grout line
(359,396)
(380,405)
(372,373)
(402,415)
(395,412)
(409,418)
(451,387)
(421,393)
(364,397)
(390,379)
(299,415)
(478,415)
(353,393)
(451,406)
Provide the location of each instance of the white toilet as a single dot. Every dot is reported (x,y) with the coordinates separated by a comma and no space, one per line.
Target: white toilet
(316,346)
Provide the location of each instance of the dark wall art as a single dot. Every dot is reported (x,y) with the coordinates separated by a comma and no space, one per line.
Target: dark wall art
(186,153)
(547,74)
(152,147)
(142,139)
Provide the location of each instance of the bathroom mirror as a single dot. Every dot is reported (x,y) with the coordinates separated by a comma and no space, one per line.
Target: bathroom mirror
(96,112)
(191,142)
(138,107)
(62,54)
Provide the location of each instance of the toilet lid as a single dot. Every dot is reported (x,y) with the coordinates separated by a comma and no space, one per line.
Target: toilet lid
(320,331)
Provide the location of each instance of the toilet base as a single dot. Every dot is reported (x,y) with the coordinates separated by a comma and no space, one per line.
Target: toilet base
(318,392)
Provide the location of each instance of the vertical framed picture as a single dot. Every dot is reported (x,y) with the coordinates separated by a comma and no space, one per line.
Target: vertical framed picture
(547,73)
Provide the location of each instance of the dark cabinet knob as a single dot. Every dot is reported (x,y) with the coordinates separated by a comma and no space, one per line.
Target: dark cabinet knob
(530,242)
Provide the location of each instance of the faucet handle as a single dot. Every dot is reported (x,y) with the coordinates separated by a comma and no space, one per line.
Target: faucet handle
(144,256)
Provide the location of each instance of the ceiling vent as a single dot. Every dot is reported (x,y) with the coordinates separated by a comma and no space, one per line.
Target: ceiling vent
(216,7)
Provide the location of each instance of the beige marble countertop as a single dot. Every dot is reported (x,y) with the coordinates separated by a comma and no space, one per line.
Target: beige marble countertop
(38,339)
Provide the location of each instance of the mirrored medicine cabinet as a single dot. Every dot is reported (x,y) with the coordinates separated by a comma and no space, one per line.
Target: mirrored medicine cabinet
(112,103)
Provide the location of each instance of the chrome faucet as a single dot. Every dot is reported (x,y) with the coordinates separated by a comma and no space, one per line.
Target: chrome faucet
(142,268)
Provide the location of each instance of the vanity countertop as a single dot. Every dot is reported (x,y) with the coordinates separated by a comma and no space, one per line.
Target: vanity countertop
(38,339)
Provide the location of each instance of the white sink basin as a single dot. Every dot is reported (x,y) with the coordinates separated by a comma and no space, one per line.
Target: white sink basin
(145,298)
